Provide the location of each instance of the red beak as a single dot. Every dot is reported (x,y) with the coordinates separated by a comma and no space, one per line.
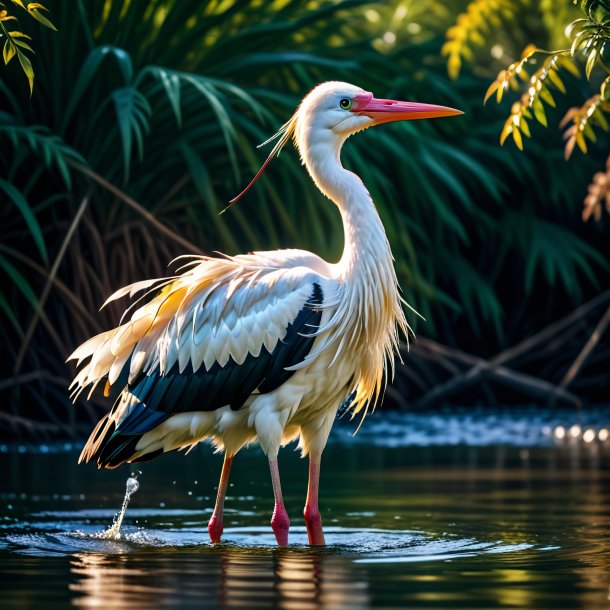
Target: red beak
(384,111)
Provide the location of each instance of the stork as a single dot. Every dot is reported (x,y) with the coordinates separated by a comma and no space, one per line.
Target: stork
(263,346)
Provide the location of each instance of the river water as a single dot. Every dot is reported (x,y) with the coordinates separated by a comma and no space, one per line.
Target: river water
(458,510)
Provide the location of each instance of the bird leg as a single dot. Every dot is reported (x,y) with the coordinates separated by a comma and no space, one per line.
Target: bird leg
(216,522)
(313,521)
(280,523)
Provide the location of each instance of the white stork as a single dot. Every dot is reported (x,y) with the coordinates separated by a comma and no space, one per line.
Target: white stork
(264,346)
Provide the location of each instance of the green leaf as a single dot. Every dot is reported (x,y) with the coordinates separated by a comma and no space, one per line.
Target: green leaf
(89,70)
(22,205)
(41,18)
(591,61)
(133,112)
(538,108)
(26,65)
(23,45)
(546,95)
(557,81)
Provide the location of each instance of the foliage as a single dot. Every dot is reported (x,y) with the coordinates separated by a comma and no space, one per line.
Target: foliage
(143,124)
(15,44)
(589,42)
(472,28)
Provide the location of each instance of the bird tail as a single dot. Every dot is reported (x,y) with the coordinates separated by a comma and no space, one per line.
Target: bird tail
(111,445)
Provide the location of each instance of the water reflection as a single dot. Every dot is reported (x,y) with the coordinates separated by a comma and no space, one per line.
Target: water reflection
(228,578)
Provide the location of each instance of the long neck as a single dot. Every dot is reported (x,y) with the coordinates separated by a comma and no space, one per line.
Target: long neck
(369,311)
(366,247)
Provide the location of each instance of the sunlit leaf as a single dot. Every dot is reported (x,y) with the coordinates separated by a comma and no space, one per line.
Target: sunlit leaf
(557,81)
(591,61)
(517,138)
(8,51)
(539,112)
(23,45)
(26,65)
(34,10)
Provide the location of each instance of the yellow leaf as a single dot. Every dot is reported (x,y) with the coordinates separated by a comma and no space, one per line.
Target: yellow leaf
(569,65)
(19,3)
(507,129)
(557,81)
(500,92)
(545,94)
(490,90)
(525,128)
(517,138)
(453,66)
(19,35)
(591,61)
(580,141)
(529,50)
(9,51)
(604,91)
(601,119)
(539,113)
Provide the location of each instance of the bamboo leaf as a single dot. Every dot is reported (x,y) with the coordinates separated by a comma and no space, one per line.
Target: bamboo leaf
(591,61)
(9,51)
(557,81)
(23,45)
(26,65)
(545,94)
(41,18)
(517,138)
(538,108)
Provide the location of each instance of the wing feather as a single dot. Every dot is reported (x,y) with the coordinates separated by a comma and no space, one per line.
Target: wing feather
(218,311)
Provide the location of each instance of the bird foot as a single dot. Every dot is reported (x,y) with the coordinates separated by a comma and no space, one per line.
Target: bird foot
(280,523)
(313,522)
(215,528)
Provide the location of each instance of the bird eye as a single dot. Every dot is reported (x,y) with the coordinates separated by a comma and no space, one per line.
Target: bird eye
(345,103)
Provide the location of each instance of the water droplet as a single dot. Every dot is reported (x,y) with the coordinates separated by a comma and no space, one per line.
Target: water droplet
(132,486)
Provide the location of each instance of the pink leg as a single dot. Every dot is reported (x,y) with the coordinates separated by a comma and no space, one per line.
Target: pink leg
(216,523)
(280,523)
(313,521)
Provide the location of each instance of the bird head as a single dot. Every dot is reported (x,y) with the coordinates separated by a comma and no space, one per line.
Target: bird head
(333,111)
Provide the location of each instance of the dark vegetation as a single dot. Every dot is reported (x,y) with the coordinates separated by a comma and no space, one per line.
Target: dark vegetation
(143,123)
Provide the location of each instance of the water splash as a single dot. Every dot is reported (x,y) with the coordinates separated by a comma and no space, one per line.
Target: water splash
(114,531)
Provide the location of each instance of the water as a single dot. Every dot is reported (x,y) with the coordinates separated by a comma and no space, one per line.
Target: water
(521,524)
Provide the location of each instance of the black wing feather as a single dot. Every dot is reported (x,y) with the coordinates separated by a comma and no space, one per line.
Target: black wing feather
(161,396)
